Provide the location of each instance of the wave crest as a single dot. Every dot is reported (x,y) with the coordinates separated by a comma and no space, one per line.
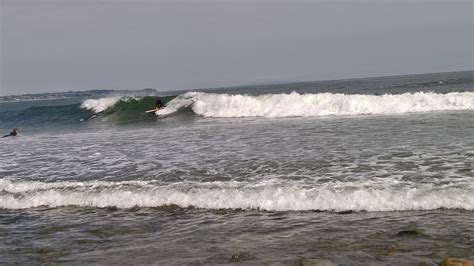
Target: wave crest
(102,104)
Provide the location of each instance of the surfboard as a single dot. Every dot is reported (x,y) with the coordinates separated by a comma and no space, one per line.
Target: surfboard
(153,110)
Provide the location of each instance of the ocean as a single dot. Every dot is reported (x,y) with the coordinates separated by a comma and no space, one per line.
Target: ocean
(358,171)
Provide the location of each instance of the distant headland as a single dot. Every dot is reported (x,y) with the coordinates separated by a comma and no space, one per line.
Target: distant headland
(75,94)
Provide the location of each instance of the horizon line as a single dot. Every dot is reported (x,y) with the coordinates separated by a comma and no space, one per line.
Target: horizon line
(247,85)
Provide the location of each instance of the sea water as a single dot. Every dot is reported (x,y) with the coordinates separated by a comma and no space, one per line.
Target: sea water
(364,171)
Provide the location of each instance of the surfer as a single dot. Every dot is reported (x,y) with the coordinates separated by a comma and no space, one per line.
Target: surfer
(12,134)
(159,103)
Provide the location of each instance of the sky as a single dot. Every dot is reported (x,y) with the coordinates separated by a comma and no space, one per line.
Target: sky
(63,45)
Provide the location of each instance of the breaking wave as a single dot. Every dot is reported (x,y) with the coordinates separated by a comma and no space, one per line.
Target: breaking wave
(131,109)
(288,105)
(232,195)
(319,104)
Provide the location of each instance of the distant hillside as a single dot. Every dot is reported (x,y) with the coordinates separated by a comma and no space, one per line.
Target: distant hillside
(76,94)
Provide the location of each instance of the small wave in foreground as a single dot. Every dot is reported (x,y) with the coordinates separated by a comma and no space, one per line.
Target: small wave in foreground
(232,195)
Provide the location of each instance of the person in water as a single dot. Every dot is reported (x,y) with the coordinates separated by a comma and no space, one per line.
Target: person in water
(159,103)
(12,134)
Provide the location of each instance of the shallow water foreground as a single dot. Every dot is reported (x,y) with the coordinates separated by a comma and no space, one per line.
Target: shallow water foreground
(172,235)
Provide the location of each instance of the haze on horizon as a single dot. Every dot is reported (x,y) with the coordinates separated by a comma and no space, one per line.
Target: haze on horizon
(63,45)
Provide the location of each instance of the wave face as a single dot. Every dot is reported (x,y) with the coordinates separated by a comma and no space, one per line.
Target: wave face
(121,104)
(232,195)
(320,104)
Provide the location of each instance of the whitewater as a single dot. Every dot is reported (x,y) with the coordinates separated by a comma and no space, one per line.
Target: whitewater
(302,105)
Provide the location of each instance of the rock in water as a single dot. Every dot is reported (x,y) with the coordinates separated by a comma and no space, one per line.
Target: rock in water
(241,256)
(408,233)
(316,262)
(43,251)
(456,262)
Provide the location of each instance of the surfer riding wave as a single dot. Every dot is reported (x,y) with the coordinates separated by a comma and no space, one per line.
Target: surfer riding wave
(159,104)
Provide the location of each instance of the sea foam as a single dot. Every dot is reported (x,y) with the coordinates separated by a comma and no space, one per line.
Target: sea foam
(319,104)
(232,195)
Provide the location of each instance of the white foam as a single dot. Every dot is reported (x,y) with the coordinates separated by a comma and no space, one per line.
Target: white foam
(100,105)
(233,195)
(178,103)
(320,104)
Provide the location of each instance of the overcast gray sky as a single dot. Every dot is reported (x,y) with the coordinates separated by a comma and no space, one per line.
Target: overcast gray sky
(62,45)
